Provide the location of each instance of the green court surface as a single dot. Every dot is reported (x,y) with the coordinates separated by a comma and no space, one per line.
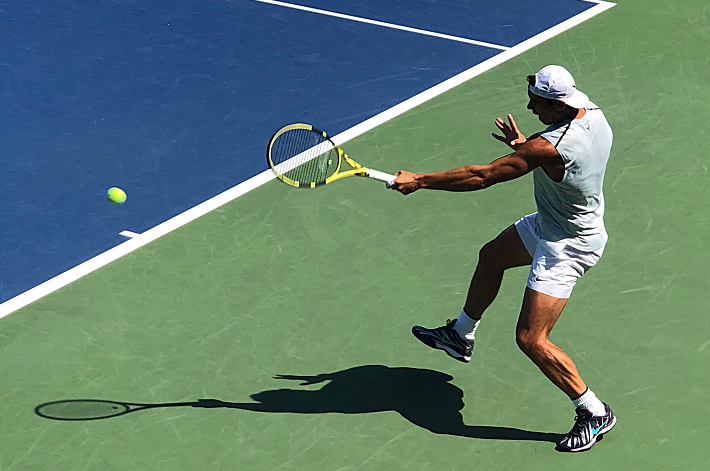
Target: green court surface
(329,282)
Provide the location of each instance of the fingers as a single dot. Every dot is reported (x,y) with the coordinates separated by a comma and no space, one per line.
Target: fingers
(512,122)
(404,182)
(395,183)
(503,126)
(500,138)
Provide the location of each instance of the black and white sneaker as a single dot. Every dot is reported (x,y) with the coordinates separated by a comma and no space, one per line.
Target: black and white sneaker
(447,339)
(587,430)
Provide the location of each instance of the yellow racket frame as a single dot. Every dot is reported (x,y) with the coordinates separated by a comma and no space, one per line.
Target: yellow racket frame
(357,169)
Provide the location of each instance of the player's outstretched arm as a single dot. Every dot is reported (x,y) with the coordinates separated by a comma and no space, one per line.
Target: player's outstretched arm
(533,153)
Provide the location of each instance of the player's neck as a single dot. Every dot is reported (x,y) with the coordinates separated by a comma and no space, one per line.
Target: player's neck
(580,113)
(568,114)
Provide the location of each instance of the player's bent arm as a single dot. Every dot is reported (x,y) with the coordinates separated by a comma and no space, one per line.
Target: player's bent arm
(535,152)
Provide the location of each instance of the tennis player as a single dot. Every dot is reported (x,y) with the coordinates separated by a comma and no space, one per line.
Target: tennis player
(560,242)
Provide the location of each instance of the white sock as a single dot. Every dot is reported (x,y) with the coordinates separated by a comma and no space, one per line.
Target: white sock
(589,401)
(465,326)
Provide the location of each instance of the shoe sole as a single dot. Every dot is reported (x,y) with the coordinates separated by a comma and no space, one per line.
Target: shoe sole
(432,343)
(598,436)
(453,354)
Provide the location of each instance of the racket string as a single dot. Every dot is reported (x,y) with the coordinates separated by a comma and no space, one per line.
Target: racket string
(304,156)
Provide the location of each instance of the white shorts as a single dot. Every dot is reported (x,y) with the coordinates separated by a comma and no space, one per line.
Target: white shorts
(556,265)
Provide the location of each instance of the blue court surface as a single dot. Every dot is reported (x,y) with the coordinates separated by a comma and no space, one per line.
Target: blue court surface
(174,101)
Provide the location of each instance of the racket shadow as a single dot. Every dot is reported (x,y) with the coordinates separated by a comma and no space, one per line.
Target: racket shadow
(425,398)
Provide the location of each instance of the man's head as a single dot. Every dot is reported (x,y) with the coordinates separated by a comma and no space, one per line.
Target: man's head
(553,95)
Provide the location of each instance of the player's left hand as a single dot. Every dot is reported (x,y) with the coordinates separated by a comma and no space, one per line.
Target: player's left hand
(512,137)
(405,182)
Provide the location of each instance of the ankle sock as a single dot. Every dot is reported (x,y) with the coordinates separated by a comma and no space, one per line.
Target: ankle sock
(589,401)
(465,326)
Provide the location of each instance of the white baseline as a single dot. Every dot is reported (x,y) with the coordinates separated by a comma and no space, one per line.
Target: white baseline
(201,209)
(386,25)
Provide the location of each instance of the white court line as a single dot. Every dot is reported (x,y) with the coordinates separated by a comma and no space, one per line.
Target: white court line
(128,234)
(386,25)
(201,209)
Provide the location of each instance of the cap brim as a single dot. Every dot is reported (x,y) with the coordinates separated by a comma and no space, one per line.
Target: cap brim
(578,100)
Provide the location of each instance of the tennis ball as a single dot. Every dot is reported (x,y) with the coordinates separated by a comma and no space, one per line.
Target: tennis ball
(116,195)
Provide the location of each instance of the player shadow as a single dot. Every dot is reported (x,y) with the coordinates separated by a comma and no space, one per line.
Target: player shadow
(424,397)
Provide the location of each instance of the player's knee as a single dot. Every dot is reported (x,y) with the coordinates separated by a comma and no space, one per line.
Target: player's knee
(488,256)
(531,343)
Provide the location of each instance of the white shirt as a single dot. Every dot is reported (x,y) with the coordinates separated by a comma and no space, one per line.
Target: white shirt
(572,211)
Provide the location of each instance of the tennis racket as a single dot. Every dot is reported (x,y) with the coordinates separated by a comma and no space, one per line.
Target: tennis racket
(305,157)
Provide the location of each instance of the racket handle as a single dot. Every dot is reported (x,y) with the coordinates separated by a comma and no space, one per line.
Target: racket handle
(382,176)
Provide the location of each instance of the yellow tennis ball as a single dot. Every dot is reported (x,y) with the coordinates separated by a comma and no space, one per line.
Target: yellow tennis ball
(116,195)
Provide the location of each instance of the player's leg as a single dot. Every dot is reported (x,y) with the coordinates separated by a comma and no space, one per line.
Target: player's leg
(504,252)
(456,338)
(537,317)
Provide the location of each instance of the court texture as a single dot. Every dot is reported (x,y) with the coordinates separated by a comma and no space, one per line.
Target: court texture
(255,326)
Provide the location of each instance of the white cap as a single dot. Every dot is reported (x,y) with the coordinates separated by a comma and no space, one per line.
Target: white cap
(556,83)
